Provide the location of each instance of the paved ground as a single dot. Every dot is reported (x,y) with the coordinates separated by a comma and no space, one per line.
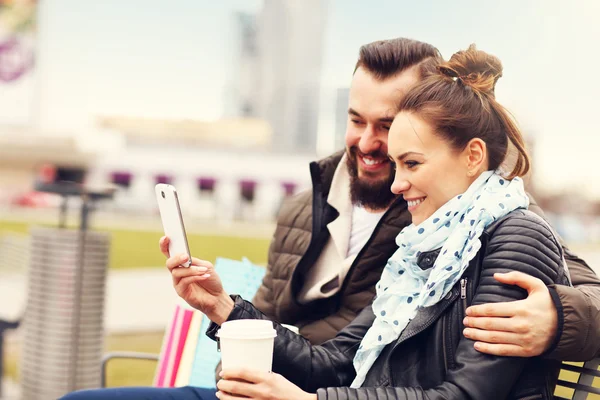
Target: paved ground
(10,390)
(136,300)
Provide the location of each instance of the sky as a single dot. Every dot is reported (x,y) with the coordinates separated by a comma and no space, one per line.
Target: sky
(174,59)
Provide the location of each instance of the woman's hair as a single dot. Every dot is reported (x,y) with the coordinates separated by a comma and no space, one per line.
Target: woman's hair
(457,98)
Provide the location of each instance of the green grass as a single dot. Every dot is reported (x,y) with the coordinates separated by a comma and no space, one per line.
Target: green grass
(135,248)
(120,372)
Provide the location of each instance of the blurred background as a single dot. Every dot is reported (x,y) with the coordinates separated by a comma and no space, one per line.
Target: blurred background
(229,101)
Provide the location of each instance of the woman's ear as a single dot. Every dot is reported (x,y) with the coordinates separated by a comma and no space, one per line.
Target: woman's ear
(476,156)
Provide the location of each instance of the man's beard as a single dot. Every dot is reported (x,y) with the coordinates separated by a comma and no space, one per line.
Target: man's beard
(375,194)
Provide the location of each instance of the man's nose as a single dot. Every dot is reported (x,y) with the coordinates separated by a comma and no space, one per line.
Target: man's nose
(369,141)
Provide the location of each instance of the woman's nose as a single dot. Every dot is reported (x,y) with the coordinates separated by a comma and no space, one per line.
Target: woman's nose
(400,186)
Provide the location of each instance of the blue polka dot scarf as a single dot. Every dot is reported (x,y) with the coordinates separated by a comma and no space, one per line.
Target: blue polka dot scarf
(455,228)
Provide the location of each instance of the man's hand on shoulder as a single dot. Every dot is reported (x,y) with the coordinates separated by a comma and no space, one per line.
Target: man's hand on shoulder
(524,328)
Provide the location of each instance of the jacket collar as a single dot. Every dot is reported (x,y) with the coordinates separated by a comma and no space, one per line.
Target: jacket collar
(322,173)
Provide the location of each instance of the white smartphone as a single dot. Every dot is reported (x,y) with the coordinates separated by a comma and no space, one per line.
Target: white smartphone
(172,220)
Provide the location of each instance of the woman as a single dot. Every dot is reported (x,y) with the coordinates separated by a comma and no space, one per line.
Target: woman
(449,141)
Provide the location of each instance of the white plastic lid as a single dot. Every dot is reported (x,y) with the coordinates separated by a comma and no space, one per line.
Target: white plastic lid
(247,329)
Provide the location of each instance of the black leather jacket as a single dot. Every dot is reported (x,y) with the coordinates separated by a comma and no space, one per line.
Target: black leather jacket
(431,359)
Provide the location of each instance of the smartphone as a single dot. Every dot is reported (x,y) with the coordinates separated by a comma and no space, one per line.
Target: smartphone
(172,220)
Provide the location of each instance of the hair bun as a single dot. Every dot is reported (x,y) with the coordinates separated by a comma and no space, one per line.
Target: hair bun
(474,68)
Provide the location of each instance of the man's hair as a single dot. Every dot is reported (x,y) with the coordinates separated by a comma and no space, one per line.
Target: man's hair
(386,58)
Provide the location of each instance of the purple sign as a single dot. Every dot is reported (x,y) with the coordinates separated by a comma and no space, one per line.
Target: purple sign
(121,178)
(207,184)
(15,60)
(162,178)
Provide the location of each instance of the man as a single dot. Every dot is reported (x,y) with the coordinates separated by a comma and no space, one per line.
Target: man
(331,244)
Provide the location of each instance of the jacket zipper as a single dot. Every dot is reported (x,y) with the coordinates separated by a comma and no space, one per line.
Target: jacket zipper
(444,344)
(463,297)
(463,293)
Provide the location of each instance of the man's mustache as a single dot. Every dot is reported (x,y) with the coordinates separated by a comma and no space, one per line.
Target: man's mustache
(376,154)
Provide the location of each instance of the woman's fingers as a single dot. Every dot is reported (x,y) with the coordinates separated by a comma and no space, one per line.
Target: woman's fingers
(227,396)
(238,388)
(163,243)
(201,263)
(191,271)
(176,261)
(245,375)
(183,283)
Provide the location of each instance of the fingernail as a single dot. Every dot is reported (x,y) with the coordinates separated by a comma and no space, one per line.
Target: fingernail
(218,394)
(466,332)
(183,258)
(221,374)
(199,269)
(466,321)
(468,311)
(477,346)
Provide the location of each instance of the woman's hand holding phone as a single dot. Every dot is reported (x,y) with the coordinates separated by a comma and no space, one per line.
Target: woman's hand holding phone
(199,285)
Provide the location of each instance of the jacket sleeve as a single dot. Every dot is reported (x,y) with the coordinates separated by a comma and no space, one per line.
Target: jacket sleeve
(517,244)
(309,366)
(579,335)
(284,244)
(321,330)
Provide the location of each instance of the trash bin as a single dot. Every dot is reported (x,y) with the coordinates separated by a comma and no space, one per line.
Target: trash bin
(63,325)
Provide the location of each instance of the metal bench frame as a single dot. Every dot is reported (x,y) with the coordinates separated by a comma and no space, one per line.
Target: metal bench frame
(123,355)
(4,326)
(583,387)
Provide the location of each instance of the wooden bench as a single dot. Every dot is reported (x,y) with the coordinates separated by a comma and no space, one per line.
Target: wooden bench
(580,383)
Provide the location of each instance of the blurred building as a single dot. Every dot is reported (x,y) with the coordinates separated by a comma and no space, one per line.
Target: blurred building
(222,169)
(246,133)
(25,152)
(342,99)
(246,66)
(279,54)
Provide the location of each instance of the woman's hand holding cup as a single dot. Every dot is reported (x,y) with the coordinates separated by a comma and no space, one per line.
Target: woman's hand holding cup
(199,285)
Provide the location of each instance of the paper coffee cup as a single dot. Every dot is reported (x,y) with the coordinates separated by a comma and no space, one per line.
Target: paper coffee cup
(292,328)
(247,343)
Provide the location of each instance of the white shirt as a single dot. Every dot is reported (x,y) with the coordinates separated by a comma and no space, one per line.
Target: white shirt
(363,225)
(348,234)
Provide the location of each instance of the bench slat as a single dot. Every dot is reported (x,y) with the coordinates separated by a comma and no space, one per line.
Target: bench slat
(577,386)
